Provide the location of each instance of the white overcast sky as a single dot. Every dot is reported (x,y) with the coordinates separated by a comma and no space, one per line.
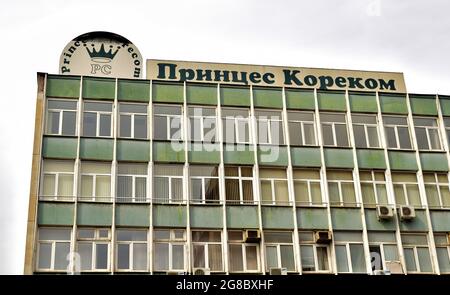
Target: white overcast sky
(409,36)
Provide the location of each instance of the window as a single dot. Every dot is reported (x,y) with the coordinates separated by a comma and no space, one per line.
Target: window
(207,250)
(427,133)
(133,120)
(131,250)
(131,182)
(442,241)
(95,181)
(61,117)
(236,124)
(279,250)
(270,127)
(334,129)
(167,122)
(447,128)
(93,247)
(307,187)
(406,190)
(417,253)
(202,122)
(349,252)
(53,248)
(314,256)
(397,132)
(302,128)
(341,190)
(204,182)
(437,190)
(57,180)
(373,188)
(365,131)
(383,249)
(168,183)
(97,119)
(239,185)
(169,249)
(243,257)
(274,187)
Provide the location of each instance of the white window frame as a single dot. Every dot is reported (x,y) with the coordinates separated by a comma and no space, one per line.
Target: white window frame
(383,256)
(278,245)
(366,125)
(274,201)
(168,120)
(236,125)
(302,127)
(55,196)
(427,132)
(203,197)
(97,240)
(206,251)
(133,198)
(405,191)
(270,120)
(61,116)
(333,129)
(309,181)
(315,256)
(133,115)
(93,196)
(397,139)
(170,200)
(240,179)
(437,184)
(341,194)
(131,255)
(374,182)
(202,119)
(172,241)
(97,118)
(349,255)
(444,246)
(52,258)
(416,255)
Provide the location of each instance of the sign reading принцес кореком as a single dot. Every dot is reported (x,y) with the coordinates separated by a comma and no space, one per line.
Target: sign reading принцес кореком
(275,76)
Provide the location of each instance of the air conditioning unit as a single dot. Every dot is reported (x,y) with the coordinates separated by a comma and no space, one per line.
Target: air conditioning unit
(173,272)
(323,237)
(252,236)
(385,212)
(278,271)
(202,271)
(394,267)
(407,212)
(381,272)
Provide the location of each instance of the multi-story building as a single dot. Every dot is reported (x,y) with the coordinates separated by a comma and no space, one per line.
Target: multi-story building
(201,169)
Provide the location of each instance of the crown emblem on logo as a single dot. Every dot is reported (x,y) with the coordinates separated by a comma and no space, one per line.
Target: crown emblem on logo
(102,55)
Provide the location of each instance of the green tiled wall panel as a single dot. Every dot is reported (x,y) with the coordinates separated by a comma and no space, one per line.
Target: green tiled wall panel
(331,101)
(132,150)
(238,154)
(338,158)
(168,152)
(204,153)
(444,101)
(440,220)
(312,218)
(268,98)
(94,214)
(242,217)
(434,162)
(300,99)
(169,215)
(403,161)
(59,147)
(305,157)
(55,213)
(96,149)
(366,103)
(234,96)
(63,86)
(373,223)
(277,217)
(206,216)
(417,224)
(99,88)
(272,155)
(371,159)
(423,105)
(132,215)
(201,94)
(133,90)
(393,104)
(346,219)
(163,92)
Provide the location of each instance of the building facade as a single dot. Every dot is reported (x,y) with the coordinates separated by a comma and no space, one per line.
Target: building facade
(157,176)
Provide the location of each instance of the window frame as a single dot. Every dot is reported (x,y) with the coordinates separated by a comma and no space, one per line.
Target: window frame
(349,255)
(437,184)
(269,120)
(445,246)
(203,199)
(57,175)
(315,256)
(61,116)
(397,138)
(94,197)
(405,190)
(168,120)
(171,199)
(133,116)
(308,184)
(427,132)
(205,246)
(98,115)
(302,128)
(415,247)
(130,245)
(366,134)
(236,125)
(244,246)
(97,240)
(133,198)
(374,182)
(278,245)
(272,181)
(240,180)
(339,182)
(53,250)
(333,129)
(171,242)
(202,119)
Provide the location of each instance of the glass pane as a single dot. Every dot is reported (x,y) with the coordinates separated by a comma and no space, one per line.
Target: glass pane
(209,129)
(175,128)
(341,135)
(422,140)
(177,189)
(310,137)
(271,257)
(251,257)
(98,106)
(414,239)
(247,190)
(307,256)
(287,257)
(236,259)
(266,191)
(140,256)
(54,234)
(327,134)
(341,258)
(86,233)
(141,189)
(69,123)
(333,192)
(409,259)
(101,261)
(61,251)
(89,124)
(53,122)
(161,189)
(390,136)
(316,194)
(357,255)
(62,104)
(276,130)
(281,192)
(391,253)
(167,109)
(399,193)
(140,126)
(160,127)
(445,195)
(295,133)
(432,195)
(161,256)
(368,193)
(131,235)
(85,251)
(103,186)
(332,117)
(232,189)
(133,108)
(424,259)
(301,192)
(322,258)
(211,189)
(372,133)
(360,136)
(229,133)
(413,194)
(278,237)
(434,139)
(196,131)
(403,136)
(125,126)
(382,194)
(105,125)
(124,188)
(178,257)
(123,256)
(45,252)
(443,259)
(196,189)
(199,255)
(49,185)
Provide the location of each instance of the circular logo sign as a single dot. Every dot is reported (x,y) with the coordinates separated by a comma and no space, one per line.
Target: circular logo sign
(101,54)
